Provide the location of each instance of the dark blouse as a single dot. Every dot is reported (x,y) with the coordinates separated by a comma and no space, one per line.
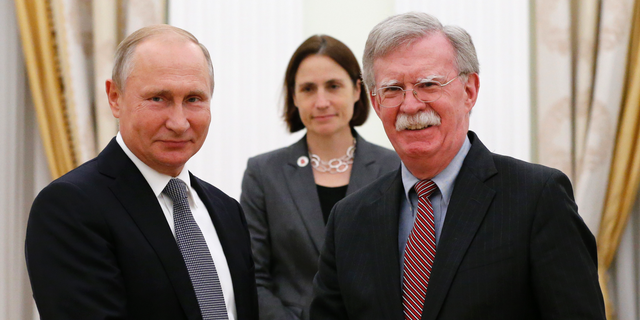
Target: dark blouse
(328,197)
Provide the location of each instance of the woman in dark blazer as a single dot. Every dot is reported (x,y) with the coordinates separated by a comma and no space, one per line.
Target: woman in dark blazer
(287,194)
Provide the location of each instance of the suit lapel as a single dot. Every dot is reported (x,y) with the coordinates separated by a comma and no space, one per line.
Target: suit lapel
(303,191)
(469,204)
(227,229)
(384,212)
(365,169)
(135,195)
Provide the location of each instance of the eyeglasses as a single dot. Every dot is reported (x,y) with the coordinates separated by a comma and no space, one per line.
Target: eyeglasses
(426,91)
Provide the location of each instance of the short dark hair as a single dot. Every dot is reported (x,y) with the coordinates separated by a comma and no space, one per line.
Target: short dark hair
(330,47)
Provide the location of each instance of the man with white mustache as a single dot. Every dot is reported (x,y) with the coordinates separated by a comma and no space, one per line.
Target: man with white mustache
(457,232)
(417,121)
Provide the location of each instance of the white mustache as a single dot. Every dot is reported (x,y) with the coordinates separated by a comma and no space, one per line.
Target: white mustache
(417,121)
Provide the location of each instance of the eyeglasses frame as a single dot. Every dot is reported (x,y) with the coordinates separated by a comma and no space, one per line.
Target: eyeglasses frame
(415,94)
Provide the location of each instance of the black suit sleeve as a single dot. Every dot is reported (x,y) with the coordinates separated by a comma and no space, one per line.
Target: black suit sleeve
(328,302)
(563,258)
(70,258)
(253,204)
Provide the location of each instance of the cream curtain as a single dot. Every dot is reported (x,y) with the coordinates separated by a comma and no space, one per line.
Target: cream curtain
(581,50)
(68,47)
(625,169)
(35,19)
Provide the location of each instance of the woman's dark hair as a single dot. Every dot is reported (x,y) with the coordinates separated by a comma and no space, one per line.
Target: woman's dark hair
(330,47)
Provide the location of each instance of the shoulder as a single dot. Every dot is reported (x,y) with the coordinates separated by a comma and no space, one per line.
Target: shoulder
(382,186)
(279,156)
(84,178)
(530,172)
(211,191)
(500,169)
(385,157)
(270,158)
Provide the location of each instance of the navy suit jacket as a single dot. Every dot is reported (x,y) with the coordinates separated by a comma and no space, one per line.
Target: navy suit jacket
(512,247)
(98,246)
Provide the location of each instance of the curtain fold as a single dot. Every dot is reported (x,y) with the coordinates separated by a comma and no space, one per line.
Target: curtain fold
(38,40)
(582,57)
(72,23)
(624,179)
(105,40)
(68,47)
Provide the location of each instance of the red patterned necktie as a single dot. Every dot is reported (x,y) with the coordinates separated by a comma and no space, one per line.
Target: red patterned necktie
(419,253)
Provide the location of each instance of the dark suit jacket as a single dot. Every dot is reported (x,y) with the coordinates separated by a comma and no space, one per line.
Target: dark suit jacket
(285,220)
(99,247)
(512,247)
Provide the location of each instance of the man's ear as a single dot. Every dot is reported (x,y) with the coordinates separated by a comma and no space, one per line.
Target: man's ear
(471,88)
(113,94)
(374,103)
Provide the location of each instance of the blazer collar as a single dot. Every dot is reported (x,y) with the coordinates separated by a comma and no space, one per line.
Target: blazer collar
(364,169)
(384,213)
(137,198)
(469,203)
(302,186)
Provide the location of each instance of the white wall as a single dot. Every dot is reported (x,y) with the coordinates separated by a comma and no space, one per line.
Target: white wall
(500,32)
(350,22)
(252,41)
(250,44)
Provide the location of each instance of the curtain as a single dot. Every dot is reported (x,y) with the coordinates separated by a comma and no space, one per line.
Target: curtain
(625,169)
(35,19)
(68,47)
(112,21)
(22,167)
(581,50)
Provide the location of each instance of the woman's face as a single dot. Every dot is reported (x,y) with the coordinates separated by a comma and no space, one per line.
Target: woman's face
(324,95)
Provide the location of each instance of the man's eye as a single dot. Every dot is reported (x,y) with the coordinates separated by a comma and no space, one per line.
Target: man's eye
(428,84)
(193,99)
(391,89)
(156,99)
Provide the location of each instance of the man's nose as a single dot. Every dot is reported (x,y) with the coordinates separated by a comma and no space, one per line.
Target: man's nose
(411,104)
(177,120)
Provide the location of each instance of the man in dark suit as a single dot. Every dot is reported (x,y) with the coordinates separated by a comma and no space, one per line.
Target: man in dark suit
(132,234)
(458,232)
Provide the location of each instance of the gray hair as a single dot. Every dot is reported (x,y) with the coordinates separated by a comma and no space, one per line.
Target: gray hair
(403,29)
(124,53)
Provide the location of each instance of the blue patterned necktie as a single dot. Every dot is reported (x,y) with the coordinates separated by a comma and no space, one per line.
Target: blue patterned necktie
(195,252)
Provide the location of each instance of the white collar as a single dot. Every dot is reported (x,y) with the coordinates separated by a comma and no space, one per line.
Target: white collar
(156,180)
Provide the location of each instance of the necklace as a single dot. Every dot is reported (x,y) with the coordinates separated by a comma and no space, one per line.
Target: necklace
(336,165)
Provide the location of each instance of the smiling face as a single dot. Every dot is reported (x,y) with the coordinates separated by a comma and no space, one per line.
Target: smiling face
(164,108)
(426,150)
(324,95)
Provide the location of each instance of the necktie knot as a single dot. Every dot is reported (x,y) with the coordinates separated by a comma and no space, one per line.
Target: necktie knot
(425,188)
(176,189)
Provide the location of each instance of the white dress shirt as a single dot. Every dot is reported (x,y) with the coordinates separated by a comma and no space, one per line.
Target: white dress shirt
(158,181)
